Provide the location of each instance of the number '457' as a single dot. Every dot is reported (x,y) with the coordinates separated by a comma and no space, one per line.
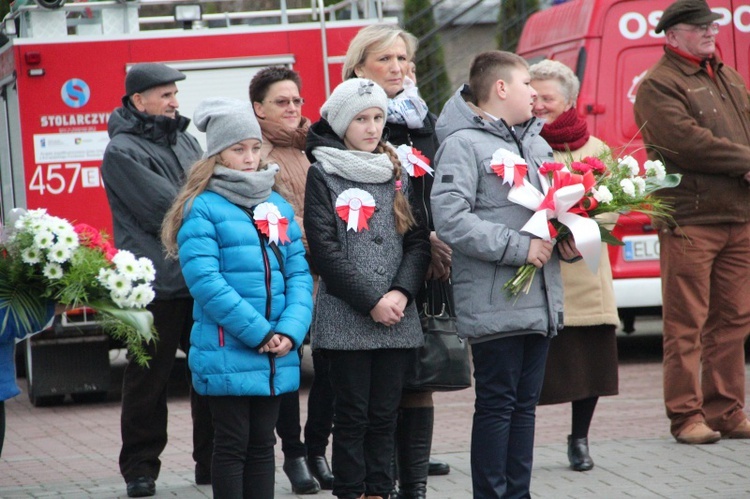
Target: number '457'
(56,178)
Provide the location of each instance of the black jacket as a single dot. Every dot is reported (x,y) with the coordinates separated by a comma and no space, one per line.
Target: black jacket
(425,140)
(144,167)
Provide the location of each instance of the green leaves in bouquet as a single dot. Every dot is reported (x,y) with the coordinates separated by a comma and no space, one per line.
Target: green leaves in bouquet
(134,327)
(21,300)
(78,285)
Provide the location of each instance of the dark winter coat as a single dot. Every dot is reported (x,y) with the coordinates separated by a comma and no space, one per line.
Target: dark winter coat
(358,268)
(144,167)
(425,140)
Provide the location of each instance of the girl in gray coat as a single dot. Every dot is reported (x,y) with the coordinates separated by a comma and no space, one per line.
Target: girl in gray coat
(372,257)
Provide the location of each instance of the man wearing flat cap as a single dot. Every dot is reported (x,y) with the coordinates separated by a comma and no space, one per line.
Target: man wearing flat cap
(144,167)
(694,114)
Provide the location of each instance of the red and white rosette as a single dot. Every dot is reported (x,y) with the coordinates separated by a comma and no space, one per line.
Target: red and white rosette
(355,207)
(509,166)
(271,223)
(413,161)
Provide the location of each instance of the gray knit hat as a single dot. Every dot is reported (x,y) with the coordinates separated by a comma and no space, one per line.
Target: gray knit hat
(147,75)
(351,98)
(226,122)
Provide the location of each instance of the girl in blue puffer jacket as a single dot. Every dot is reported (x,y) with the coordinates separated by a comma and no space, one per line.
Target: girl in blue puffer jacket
(243,260)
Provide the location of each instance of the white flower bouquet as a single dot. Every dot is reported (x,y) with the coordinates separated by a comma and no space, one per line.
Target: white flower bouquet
(46,259)
(575,193)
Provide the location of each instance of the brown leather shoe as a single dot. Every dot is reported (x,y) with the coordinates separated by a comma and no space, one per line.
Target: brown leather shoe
(741,431)
(697,434)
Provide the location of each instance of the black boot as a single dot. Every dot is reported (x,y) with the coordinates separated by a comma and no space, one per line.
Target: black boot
(578,454)
(438,468)
(299,475)
(413,441)
(321,471)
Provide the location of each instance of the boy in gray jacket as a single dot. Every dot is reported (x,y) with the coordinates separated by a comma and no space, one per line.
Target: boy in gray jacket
(472,212)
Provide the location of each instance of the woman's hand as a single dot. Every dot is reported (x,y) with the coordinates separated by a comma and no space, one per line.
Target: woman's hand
(568,250)
(388,312)
(440,264)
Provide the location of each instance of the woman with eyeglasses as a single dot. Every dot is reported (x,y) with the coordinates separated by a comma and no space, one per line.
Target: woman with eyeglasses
(275,94)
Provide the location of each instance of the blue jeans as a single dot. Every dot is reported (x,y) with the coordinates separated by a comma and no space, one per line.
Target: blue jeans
(508,374)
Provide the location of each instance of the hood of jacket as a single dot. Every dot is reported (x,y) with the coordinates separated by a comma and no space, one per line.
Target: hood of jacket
(460,114)
(321,134)
(161,130)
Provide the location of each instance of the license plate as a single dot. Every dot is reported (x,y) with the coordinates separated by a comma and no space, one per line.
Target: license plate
(640,248)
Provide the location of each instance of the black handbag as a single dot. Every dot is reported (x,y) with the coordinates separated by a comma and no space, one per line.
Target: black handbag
(442,364)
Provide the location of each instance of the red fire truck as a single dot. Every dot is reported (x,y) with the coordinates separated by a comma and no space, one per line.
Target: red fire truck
(62,70)
(610,44)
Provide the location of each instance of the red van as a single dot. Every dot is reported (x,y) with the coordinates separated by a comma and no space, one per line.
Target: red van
(610,44)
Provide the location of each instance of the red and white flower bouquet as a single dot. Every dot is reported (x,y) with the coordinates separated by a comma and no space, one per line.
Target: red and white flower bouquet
(46,259)
(575,194)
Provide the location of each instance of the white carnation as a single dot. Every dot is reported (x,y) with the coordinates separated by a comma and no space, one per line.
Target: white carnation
(655,169)
(603,195)
(44,239)
(59,253)
(628,187)
(640,184)
(31,256)
(148,272)
(119,284)
(630,163)
(142,295)
(127,264)
(52,271)
(69,238)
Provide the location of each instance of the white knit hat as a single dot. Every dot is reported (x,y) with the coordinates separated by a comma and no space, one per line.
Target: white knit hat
(351,98)
(226,122)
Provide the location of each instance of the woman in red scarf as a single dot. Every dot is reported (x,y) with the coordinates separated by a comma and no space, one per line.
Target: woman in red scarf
(582,359)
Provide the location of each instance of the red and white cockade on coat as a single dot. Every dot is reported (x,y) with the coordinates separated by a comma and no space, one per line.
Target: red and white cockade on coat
(509,166)
(413,161)
(271,223)
(355,207)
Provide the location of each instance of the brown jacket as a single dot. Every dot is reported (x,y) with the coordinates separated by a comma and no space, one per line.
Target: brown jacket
(287,149)
(589,299)
(701,128)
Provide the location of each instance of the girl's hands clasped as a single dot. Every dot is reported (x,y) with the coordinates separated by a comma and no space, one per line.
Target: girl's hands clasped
(390,308)
(278,344)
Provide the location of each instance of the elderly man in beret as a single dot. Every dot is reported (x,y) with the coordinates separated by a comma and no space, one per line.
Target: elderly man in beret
(693,110)
(144,167)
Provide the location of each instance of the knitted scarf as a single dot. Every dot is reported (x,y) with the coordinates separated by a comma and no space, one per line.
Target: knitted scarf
(245,189)
(357,166)
(567,132)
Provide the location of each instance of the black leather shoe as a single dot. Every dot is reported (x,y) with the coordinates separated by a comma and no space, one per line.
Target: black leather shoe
(299,475)
(202,475)
(321,471)
(438,468)
(578,454)
(143,486)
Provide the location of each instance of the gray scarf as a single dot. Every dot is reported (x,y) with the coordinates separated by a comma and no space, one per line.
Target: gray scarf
(357,166)
(245,189)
